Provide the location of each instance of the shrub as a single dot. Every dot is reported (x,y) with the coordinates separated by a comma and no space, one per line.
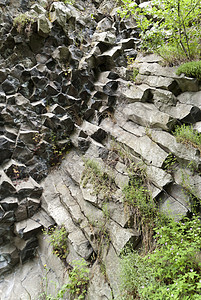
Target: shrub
(168,23)
(190,69)
(172,270)
(58,237)
(187,135)
(79,280)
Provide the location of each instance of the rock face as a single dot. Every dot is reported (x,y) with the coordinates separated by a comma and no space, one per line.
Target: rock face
(66,98)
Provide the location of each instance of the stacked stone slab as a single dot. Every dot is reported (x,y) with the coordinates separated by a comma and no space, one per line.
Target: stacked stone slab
(66,94)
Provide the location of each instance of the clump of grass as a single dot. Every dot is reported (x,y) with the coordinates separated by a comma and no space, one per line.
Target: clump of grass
(190,69)
(187,135)
(23,21)
(101,181)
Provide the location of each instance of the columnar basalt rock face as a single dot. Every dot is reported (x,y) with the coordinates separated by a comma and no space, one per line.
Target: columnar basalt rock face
(67,96)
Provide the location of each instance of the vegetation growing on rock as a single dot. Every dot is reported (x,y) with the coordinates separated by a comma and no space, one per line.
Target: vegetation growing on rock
(190,69)
(169,28)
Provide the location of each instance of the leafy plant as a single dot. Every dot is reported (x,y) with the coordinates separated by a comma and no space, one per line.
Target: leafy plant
(135,71)
(170,162)
(187,135)
(190,69)
(143,208)
(79,280)
(22,21)
(172,270)
(58,237)
(168,23)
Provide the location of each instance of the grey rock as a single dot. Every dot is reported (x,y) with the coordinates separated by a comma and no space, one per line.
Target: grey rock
(104,25)
(147,115)
(98,288)
(185,113)
(133,93)
(29,188)
(163,99)
(155,69)
(67,123)
(3,75)
(62,54)
(10,85)
(38,9)
(8,258)
(181,151)
(21,211)
(6,186)
(158,176)
(6,148)
(29,249)
(189,181)
(9,203)
(141,146)
(27,228)
(187,84)
(175,202)
(41,216)
(191,98)
(28,136)
(106,37)
(121,237)
(94,131)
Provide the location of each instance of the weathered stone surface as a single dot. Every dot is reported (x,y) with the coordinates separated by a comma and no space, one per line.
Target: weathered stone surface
(185,113)
(160,82)
(6,148)
(155,69)
(147,115)
(190,181)
(94,131)
(158,176)
(10,85)
(98,288)
(163,99)
(66,77)
(188,84)
(121,237)
(175,202)
(61,215)
(112,263)
(10,203)
(6,186)
(192,98)
(134,93)
(27,228)
(29,188)
(181,151)
(8,258)
(141,146)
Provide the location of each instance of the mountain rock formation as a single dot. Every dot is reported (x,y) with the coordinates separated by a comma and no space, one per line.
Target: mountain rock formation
(68,98)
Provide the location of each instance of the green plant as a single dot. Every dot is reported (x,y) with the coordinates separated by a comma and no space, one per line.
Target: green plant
(168,23)
(101,181)
(170,162)
(144,209)
(172,270)
(58,237)
(79,280)
(45,295)
(23,21)
(190,69)
(135,71)
(187,135)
